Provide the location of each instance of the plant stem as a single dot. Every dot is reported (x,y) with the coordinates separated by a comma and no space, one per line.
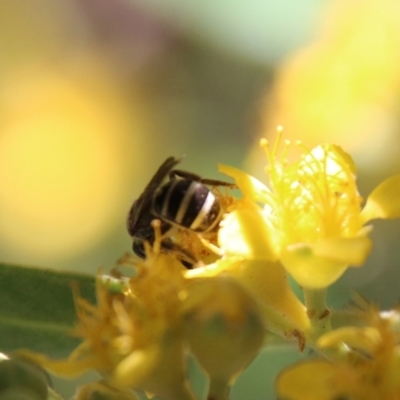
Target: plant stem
(318,312)
(184,393)
(218,390)
(320,319)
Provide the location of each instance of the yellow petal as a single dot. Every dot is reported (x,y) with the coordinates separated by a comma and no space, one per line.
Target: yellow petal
(308,380)
(360,338)
(268,282)
(346,157)
(309,270)
(207,271)
(249,186)
(244,232)
(349,251)
(384,201)
(135,368)
(66,368)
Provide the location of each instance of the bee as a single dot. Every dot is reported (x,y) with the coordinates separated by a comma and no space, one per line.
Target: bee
(184,202)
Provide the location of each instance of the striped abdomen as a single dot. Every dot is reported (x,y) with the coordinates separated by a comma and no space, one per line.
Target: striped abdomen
(188,204)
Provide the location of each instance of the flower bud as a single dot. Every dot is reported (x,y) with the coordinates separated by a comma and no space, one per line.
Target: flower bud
(21,379)
(157,369)
(224,328)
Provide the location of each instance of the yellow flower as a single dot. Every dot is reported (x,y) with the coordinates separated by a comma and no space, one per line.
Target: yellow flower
(138,334)
(133,337)
(311,215)
(369,371)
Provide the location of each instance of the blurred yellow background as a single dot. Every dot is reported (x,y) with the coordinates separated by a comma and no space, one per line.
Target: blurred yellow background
(94,95)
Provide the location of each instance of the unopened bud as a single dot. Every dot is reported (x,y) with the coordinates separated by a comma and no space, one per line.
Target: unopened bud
(21,379)
(223,326)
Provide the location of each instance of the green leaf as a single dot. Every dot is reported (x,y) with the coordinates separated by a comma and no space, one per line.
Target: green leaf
(37,309)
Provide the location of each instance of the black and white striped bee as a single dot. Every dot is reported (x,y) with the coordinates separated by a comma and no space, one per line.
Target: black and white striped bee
(182,202)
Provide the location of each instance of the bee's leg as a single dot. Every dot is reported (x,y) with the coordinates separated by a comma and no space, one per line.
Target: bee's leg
(216,182)
(159,176)
(184,256)
(138,247)
(197,178)
(184,174)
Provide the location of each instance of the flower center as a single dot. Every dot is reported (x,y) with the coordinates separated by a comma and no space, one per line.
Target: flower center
(314,198)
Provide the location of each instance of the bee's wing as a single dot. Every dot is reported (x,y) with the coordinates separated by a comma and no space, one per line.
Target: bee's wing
(141,207)
(159,176)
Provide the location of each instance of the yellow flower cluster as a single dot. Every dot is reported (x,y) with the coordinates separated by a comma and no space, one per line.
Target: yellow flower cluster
(309,223)
(139,332)
(368,369)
